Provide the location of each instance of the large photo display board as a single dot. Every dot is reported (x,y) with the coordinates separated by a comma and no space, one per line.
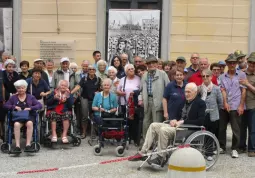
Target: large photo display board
(134,32)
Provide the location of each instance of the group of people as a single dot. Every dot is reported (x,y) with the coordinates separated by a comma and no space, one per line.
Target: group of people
(162,90)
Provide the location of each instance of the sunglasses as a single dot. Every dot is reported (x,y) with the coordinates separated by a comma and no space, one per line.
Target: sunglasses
(205,76)
(195,58)
(138,61)
(91,69)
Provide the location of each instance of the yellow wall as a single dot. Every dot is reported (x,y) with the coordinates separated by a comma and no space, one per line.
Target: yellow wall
(77,20)
(213,28)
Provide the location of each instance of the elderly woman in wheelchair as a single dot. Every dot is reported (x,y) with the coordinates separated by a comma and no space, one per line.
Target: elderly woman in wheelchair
(23,107)
(59,105)
(193,114)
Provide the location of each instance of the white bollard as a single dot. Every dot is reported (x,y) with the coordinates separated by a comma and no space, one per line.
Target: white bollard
(186,163)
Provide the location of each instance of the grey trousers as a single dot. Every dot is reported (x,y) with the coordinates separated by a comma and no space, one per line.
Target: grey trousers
(86,109)
(151,116)
(235,122)
(161,132)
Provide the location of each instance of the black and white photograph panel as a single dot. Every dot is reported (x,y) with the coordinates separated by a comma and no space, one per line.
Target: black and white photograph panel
(6,30)
(134,32)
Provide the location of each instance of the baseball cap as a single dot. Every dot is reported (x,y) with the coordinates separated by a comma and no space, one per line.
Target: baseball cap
(64,59)
(222,63)
(36,60)
(181,58)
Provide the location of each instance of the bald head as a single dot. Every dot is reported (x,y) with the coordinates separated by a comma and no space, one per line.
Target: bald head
(190,91)
(124,59)
(203,64)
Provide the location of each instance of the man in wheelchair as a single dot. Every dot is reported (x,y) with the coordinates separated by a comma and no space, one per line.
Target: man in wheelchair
(193,113)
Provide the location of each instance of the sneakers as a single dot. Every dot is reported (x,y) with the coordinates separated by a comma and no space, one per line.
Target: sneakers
(222,151)
(137,157)
(234,154)
(157,161)
(251,154)
(16,150)
(209,158)
(29,149)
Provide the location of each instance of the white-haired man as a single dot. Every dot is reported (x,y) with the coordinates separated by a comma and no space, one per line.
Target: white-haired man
(61,74)
(153,84)
(89,85)
(193,113)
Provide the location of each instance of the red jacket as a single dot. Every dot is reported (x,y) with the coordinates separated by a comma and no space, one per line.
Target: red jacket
(197,79)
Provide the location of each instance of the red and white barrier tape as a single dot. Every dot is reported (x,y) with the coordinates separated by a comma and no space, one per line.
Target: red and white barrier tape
(89,165)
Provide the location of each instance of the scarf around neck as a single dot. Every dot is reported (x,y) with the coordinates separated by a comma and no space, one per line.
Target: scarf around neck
(205,89)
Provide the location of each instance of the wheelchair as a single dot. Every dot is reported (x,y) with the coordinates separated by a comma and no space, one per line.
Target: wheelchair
(45,130)
(8,135)
(113,130)
(194,136)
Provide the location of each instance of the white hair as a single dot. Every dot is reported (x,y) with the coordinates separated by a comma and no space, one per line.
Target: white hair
(9,61)
(113,69)
(92,67)
(127,66)
(5,54)
(85,62)
(20,83)
(192,85)
(107,80)
(100,62)
(61,81)
(73,64)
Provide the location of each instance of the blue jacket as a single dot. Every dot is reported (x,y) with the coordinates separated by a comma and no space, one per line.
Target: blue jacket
(52,102)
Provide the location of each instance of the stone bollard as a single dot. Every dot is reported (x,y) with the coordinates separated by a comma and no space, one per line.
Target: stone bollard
(186,163)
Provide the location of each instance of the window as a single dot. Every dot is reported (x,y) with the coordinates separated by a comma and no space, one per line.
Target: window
(5,3)
(6,26)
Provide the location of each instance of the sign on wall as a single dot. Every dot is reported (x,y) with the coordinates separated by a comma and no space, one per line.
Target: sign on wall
(135,32)
(6,30)
(55,50)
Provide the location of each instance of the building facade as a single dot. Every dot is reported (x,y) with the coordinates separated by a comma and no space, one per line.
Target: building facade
(212,28)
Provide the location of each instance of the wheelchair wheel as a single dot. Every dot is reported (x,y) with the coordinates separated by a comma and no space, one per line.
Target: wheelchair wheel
(120,151)
(5,148)
(207,144)
(76,141)
(36,146)
(98,150)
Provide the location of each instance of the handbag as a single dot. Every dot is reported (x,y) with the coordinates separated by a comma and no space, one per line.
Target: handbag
(106,114)
(20,115)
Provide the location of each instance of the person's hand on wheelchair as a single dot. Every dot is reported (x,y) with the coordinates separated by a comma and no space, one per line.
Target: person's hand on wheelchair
(173,123)
(27,109)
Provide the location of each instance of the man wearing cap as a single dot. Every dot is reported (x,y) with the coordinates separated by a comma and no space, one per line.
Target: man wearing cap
(38,64)
(194,67)
(234,104)
(248,119)
(180,63)
(152,86)
(197,77)
(240,56)
(222,66)
(61,74)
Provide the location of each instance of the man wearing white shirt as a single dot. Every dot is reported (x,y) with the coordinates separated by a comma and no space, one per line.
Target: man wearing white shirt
(61,74)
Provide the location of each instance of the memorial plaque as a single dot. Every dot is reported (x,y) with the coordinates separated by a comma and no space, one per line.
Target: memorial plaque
(55,50)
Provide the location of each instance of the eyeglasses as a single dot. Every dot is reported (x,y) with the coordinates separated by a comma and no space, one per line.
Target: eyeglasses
(131,69)
(231,63)
(194,57)
(91,69)
(205,76)
(138,61)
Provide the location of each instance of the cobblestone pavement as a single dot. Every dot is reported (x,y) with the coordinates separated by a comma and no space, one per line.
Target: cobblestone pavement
(79,162)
